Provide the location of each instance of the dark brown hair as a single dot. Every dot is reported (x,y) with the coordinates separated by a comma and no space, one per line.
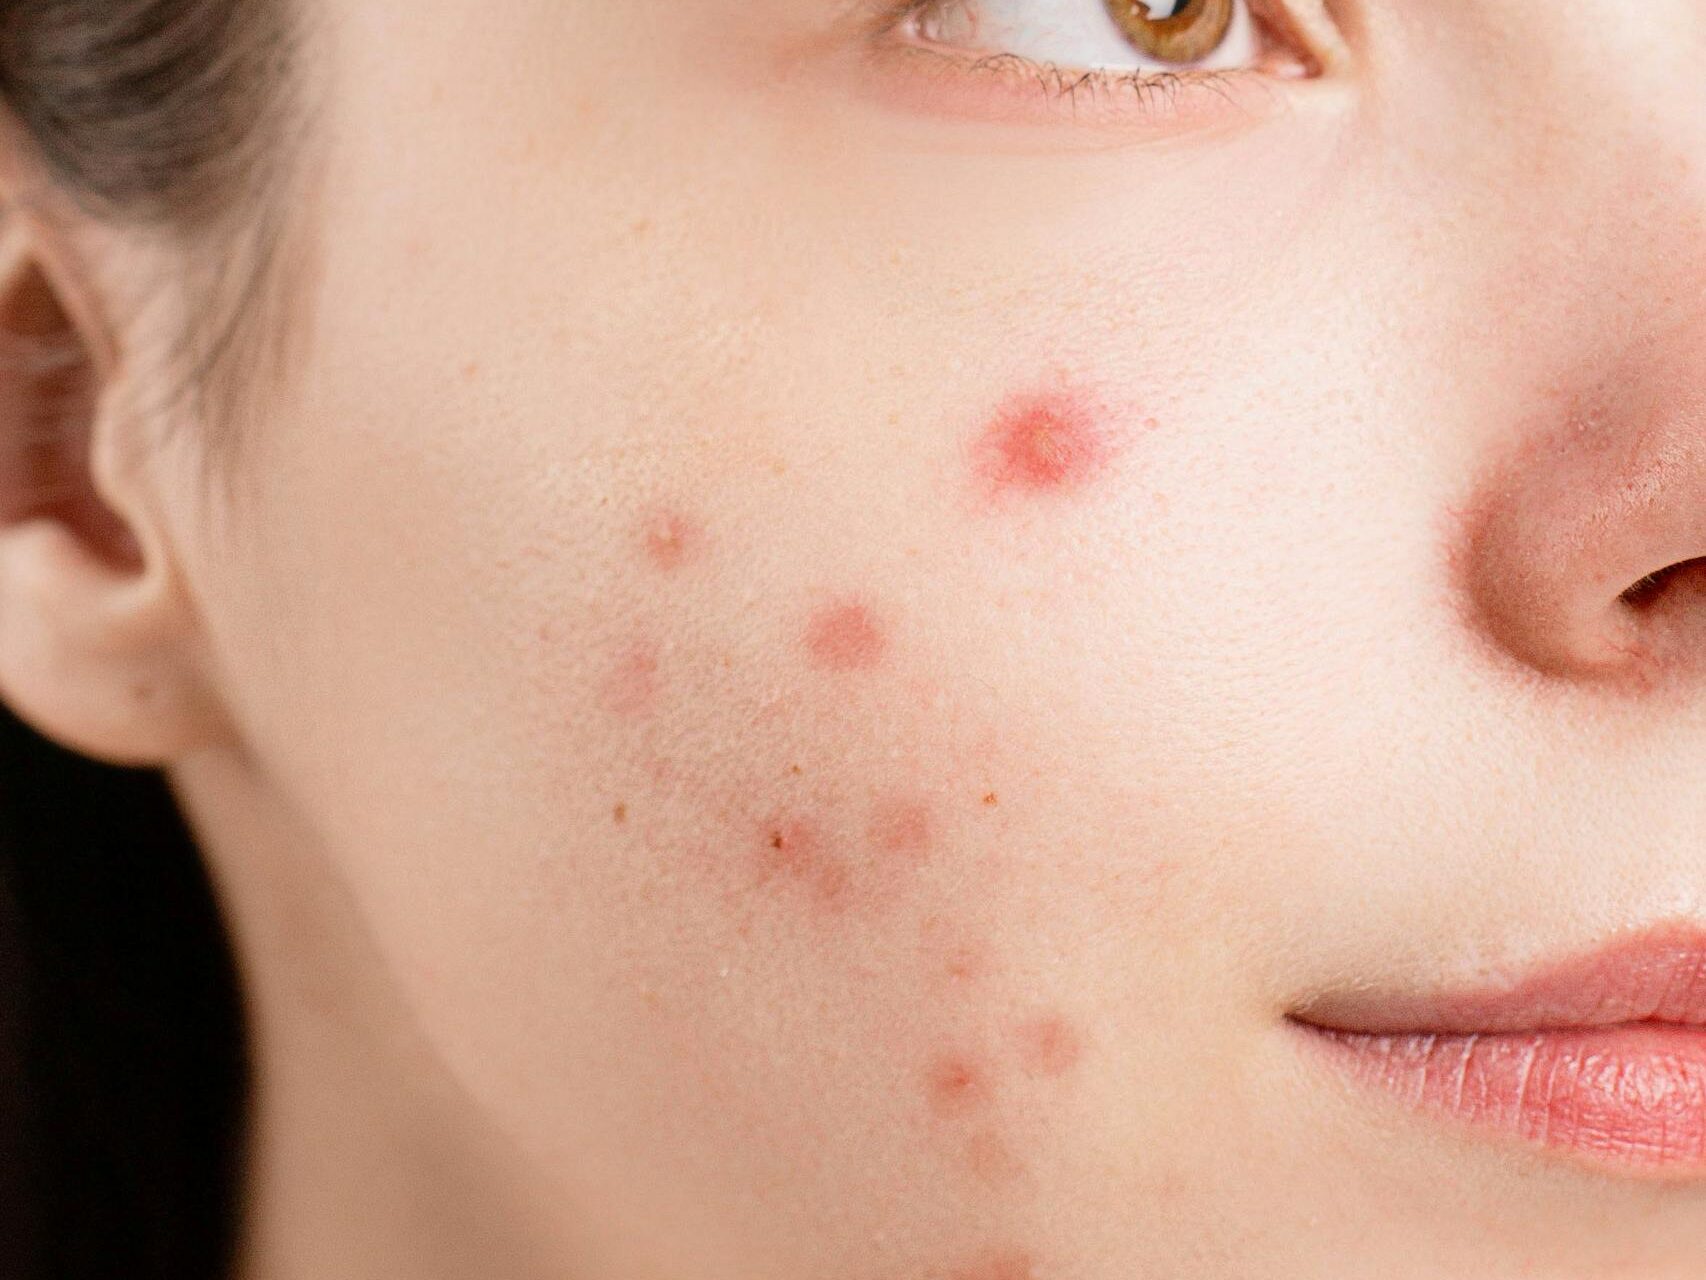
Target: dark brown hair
(122,1067)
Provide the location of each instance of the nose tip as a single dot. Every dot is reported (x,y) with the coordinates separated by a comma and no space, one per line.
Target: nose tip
(1582,554)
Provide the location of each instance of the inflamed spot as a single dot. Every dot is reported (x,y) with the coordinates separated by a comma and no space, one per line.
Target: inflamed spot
(1042,444)
(956,1084)
(794,851)
(845,637)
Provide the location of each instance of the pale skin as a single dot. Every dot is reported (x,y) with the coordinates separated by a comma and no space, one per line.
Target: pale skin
(705,785)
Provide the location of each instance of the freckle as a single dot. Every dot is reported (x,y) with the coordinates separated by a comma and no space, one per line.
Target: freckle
(1048,1046)
(632,686)
(991,1159)
(620,814)
(955,1085)
(471,370)
(989,798)
(844,637)
(1042,443)
(902,827)
(671,539)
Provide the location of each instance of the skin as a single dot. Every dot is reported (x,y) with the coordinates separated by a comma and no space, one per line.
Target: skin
(815,656)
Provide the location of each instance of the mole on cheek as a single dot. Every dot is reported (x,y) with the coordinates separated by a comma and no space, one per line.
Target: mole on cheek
(1041,444)
(844,637)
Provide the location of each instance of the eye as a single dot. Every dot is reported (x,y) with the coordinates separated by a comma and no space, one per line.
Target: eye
(1118,35)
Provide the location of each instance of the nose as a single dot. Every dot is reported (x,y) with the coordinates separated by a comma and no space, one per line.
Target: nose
(1582,554)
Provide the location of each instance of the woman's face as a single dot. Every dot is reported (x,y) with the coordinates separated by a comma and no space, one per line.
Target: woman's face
(861,623)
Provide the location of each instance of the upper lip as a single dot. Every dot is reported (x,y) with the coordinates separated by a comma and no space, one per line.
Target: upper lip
(1657,975)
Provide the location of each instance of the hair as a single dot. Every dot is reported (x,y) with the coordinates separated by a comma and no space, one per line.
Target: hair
(123,1077)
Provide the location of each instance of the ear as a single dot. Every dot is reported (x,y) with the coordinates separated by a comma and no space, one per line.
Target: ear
(99,641)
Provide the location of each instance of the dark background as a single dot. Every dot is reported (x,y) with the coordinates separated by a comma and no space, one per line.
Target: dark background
(122,1074)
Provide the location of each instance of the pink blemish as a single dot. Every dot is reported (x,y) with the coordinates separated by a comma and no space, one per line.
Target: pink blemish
(1042,443)
(961,960)
(671,540)
(632,686)
(845,637)
(902,828)
(795,851)
(1000,1264)
(991,1160)
(1048,1045)
(957,1084)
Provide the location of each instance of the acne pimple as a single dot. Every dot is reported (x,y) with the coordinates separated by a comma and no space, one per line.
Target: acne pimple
(845,637)
(956,1084)
(1040,443)
(671,539)
(1048,1045)
(796,852)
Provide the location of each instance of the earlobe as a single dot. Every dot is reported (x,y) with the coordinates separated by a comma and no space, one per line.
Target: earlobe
(99,641)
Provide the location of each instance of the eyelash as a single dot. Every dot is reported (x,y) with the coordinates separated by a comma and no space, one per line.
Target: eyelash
(1153,92)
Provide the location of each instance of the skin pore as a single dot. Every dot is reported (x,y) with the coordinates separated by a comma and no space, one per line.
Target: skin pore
(831,631)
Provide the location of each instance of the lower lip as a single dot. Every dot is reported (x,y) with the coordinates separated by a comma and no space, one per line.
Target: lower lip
(1629,1098)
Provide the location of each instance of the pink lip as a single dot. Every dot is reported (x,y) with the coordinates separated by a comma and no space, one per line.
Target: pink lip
(1601,1056)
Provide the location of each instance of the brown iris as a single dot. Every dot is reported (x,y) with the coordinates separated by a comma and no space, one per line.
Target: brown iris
(1179,31)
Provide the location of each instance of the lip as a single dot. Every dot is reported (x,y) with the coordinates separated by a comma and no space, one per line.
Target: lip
(1599,1057)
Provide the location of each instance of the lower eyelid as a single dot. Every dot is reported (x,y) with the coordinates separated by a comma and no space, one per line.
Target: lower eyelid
(1117,105)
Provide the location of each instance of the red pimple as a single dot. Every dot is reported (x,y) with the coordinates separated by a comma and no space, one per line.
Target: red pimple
(1042,443)
(844,637)
(1048,1045)
(796,851)
(956,1084)
(670,538)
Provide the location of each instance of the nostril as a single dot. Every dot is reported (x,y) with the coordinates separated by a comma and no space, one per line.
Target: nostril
(1646,593)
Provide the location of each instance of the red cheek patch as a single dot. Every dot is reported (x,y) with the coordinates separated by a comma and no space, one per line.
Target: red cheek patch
(845,637)
(1042,443)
